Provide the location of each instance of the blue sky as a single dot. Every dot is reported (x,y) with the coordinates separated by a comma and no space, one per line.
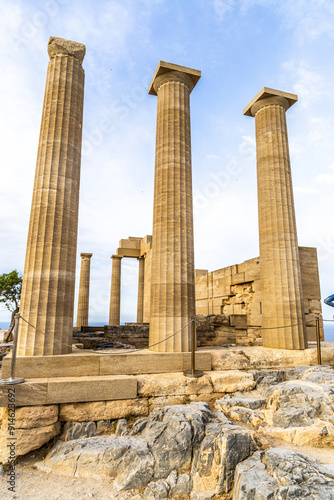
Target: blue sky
(240,47)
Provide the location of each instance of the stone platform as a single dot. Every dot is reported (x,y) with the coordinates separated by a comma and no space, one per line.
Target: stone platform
(82,364)
(55,390)
(93,376)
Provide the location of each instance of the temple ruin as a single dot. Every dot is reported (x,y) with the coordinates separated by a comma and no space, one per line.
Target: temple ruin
(275,297)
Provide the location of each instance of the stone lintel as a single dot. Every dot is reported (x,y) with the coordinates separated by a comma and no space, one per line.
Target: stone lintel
(128,252)
(165,67)
(60,46)
(86,255)
(267,92)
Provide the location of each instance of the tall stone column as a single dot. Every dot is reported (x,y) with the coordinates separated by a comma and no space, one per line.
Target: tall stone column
(83,302)
(115,294)
(141,277)
(173,277)
(47,299)
(282,301)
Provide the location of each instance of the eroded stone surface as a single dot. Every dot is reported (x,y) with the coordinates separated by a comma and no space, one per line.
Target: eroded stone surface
(28,440)
(283,475)
(171,441)
(299,410)
(125,459)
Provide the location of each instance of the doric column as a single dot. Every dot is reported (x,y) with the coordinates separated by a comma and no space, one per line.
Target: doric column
(282,301)
(173,277)
(83,302)
(47,299)
(141,277)
(115,294)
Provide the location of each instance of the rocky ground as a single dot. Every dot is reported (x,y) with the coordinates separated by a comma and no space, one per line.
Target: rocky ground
(273,442)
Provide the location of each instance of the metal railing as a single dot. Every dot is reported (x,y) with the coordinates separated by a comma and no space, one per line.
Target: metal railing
(189,373)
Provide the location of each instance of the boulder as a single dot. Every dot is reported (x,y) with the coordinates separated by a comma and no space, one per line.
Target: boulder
(157,490)
(283,475)
(127,460)
(27,440)
(122,428)
(232,381)
(77,430)
(172,433)
(222,448)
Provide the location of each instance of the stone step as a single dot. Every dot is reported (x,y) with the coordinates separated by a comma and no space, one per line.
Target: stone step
(82,364)
(45,391)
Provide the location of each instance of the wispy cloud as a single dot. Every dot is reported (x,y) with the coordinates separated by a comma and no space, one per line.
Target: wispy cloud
(306,83)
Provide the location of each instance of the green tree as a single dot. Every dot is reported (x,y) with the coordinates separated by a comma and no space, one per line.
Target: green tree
(10,294)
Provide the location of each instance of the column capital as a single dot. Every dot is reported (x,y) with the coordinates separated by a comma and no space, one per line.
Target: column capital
(89,255)
(62,47)
(116,257)
(268,96)
(173,72)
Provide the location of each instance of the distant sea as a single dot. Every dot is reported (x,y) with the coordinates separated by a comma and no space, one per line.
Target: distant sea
(329,328)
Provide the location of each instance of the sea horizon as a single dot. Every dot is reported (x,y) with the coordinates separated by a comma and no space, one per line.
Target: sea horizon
(328,327)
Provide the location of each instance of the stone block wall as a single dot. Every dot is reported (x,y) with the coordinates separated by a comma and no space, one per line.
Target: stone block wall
(235,291)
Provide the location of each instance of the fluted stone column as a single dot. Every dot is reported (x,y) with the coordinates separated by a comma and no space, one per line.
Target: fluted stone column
(83,301)
(115,294)
(172,279)
(282,301)
(141,277)
(47,299)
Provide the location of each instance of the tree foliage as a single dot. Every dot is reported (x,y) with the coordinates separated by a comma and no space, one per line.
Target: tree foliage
(10,290)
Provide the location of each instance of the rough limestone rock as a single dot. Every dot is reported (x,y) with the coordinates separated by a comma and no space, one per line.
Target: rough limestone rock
(171,441)
(122,428)
(278,474)
(299,409)
(103,426)
(128,460)
(77,430)
(28,440)
(232,381)
(157,490)
(138,426)
(222,448)
(172,433)
(180,485)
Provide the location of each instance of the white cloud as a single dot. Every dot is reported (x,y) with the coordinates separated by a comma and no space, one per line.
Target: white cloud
(223,8)
(305,190)
(303,81)
(309,20)
(324,178)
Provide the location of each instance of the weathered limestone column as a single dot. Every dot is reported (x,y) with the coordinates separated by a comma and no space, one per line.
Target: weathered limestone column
(282,301)
(173,276)
(47,299)
(83,302)
(115,294)
(141,277)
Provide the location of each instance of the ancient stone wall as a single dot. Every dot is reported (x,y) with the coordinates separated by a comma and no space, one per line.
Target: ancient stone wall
(235,291)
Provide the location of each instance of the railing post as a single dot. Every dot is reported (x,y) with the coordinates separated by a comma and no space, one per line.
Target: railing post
(317,322)
(12,380)
(193,373)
